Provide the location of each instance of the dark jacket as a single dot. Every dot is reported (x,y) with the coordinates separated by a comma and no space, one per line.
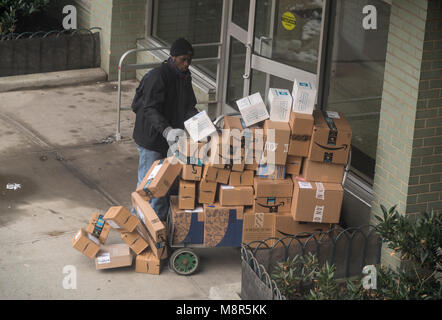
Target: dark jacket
(164,98)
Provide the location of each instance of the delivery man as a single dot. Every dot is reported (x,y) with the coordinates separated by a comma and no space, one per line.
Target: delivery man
(163,101)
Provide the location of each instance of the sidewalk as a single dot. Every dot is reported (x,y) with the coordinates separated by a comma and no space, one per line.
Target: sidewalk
(55,144)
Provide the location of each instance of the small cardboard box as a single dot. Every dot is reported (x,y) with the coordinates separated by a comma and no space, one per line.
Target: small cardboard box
(323,172)
(135,241)
(226,157)
(149,218)
(186,194)
(188,225)
(147,262)
(223,225)
(272,204)
(159,249)
(205,185)
(301,129)
(86,243)
(236,196)
(273,188)
(316,201)
(207,197)
(98,227)
(244,178)
(277,141)
(280,101)
(252,109)
(271,171)
(119,218)
(293,165)
(233,131)
(190,152)
(304,96)
(113,256)
(191,172)
(214,174)
(159,178)
(258,227)
(199,126)
(331,138)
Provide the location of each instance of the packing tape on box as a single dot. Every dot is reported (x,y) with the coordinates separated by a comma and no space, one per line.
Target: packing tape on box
(333,132)
(319,190)
(271,204)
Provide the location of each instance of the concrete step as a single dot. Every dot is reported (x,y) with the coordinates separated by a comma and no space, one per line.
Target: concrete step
(52,79)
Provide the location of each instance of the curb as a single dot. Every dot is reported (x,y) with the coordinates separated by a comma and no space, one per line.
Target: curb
(52,79)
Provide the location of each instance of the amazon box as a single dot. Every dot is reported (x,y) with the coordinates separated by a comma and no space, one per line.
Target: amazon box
(271,171)
(121,219)
(293,165)
(331,138)
(190,152)
(207,197)
(191,172)
(86,243)
(159,178)
(147,262)
(159,248)
(301,129)
(223,225)
(236,196)
(322,172)
(244,178)
(252,109)
(280,101)
(276,142)
(113,256)
(227,157)
(316,201)
(233,131)
(186,194)
(188,225)
(273,188)
(98,227)
(272,204)
(304,96)
(149,218)
(215,174)
(135,241)
(257,228)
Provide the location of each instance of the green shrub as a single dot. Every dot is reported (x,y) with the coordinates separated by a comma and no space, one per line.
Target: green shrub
(13,10)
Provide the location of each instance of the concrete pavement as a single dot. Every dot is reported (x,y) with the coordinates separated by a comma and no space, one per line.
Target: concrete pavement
(55,144)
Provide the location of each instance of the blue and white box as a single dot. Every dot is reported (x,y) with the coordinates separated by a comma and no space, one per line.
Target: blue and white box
(280,102)
(304,97)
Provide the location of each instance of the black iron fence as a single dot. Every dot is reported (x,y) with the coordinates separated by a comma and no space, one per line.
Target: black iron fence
(35,52)
(348,249)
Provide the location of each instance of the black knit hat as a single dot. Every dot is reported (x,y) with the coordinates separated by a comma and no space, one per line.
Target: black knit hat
(181,47)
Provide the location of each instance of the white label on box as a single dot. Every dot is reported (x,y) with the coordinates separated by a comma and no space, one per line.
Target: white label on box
(271,146)
(103,258)
(155,171)
(317,215)
(286,147)
(91,237)
(252,109)
(280,101)
(199,126)
(199,209)
(333,115)
(227,187)
(78,235)
(140,215)
(305,185)
(304,96)
(259,220)
(113,224)
(319,190)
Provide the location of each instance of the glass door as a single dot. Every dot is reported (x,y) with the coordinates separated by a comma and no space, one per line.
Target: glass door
(271,43)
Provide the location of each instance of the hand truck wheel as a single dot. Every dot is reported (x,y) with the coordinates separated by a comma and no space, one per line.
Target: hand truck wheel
(184,261)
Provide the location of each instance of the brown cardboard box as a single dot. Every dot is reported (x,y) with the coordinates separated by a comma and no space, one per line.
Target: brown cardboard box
(272,204)
(206,196)
(223,225)
(191,172)
(188,225)
(230,135)
(293,165)
(244,178)
(273,188)
(119,218)
(317,201)
(214,174)
(301,129)
(271,171)
(279,147)
(228,158)
(147,215)
(323,172)
(190,152)
(135,241)
(186,194)
(98,227)
(331,137)
(159,248)
(113,256)
(236,196)
(159,178)
(86,243)
(147,262)
(258,227)
(205,185)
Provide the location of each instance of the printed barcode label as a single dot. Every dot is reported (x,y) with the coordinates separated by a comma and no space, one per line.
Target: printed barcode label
(286,148)
(259,220)
(305,185)
(319,190)
(333,114)
(93,239)
(113,224)
(78,235)
(227,187)
(317,215)
(154,171)
(103,258)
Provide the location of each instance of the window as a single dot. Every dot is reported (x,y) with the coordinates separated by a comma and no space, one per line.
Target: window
(198,21)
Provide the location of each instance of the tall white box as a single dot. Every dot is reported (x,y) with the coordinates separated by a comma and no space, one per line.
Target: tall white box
(304,96)
(199,126)
(252,109)
(280,102)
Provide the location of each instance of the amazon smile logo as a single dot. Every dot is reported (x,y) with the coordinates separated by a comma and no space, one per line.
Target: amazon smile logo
(343,147)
